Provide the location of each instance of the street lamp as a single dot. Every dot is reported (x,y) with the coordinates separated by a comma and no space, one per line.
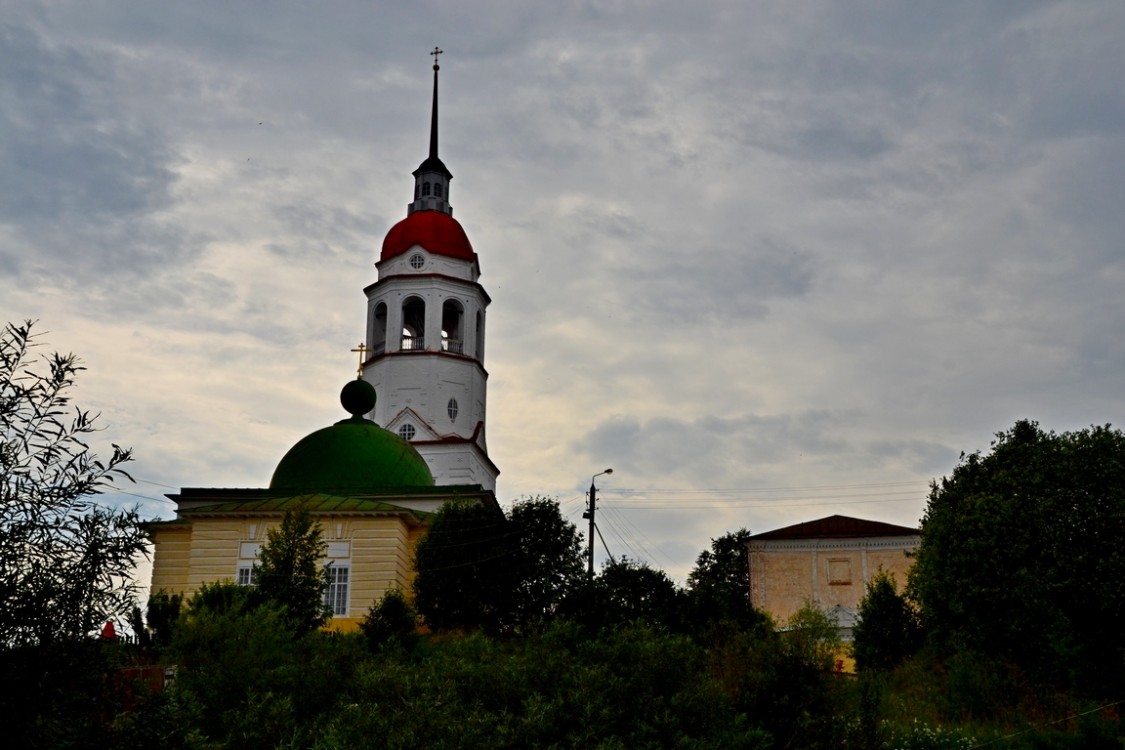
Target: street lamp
(590,514)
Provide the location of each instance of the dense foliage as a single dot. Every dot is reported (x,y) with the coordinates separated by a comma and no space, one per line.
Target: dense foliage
(289,572)
(547,560)
(718,588)
(626,592)
(464,571)
(1023,557)
(531,656)
(479,569)
(65,558)
(888,630)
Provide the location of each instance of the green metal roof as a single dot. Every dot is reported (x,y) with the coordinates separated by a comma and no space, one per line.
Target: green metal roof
(315,503)
(352,455)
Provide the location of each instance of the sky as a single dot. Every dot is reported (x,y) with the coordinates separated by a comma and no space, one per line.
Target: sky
(769,261)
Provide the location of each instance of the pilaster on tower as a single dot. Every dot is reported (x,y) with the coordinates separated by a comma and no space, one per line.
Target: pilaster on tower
(431,178)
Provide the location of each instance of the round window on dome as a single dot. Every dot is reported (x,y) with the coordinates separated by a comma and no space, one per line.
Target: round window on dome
(417,261)
(451,409)
(407,432)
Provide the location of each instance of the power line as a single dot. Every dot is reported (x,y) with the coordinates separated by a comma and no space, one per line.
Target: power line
(780,503)
(810,497)
(746,490)
(641,538)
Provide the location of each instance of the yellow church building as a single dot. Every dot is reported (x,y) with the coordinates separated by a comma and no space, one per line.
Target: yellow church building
(372,484)
(369,489)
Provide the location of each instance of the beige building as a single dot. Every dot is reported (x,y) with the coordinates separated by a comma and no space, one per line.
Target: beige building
(825,563)
(369,489)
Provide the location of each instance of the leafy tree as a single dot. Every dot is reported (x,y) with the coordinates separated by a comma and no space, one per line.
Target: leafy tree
(288,571)
(888,630)
(465,576)
(1023,555)
(391,621)
(626,592)
(547,559)
(162,614)
(718,588)
(65,559)
(812,637)
(237,669)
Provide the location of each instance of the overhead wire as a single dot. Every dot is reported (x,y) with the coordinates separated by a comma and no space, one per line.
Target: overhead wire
(639,537)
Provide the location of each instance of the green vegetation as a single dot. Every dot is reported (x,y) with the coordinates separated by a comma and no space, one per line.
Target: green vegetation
(65,558)
(888,630)
(1023,558)
(289,574)
(1007,636)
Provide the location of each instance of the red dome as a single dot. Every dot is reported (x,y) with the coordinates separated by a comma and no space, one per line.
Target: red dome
(435,231)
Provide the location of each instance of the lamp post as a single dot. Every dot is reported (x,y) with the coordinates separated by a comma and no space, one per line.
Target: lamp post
(590,514)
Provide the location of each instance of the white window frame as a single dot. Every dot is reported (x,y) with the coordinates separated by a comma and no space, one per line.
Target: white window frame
(336,594)
(245,575)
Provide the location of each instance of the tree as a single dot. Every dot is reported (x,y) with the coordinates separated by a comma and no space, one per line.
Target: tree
(626,592)
(65,558)
(719,585)
(1023,555)
(288,570)
(812,637)
(548,561)
(888,630)
(391,621)
(464,569)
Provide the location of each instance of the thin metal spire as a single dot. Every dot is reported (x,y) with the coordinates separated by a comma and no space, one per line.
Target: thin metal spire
(433,117)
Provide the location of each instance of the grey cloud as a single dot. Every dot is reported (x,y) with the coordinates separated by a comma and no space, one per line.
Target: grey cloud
(66,153)
(710,448)
(921,457)
(718,282)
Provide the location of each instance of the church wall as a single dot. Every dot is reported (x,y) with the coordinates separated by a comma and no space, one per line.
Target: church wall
(786,575)
(378,551)
(214,550)
(380,561)
(171,559)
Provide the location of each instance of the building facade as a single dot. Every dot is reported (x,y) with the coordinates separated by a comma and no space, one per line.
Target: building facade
(370,491)
(826,564)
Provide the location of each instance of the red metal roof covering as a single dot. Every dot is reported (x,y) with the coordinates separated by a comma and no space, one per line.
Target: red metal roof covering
(836,527)
(435,231)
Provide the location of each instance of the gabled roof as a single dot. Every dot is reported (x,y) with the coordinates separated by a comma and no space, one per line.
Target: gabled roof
(836,527)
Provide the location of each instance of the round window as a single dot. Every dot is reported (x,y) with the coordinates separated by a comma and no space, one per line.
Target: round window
(417,261)
(406,432)
(451,408)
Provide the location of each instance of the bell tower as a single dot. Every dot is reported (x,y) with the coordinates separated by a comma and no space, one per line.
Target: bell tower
(425,331)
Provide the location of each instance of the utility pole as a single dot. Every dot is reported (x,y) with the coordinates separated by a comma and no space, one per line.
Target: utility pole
(590,514)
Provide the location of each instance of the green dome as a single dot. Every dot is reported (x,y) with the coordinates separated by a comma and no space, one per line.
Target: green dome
(354,454)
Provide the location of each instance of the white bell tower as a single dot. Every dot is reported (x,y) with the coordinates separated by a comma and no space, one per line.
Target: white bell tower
(425,331)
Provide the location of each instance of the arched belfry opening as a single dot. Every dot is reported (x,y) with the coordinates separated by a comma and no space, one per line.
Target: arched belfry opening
(452,335)
(413,325)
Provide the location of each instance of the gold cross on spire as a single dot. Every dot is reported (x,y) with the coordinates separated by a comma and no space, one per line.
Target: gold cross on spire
(435,54)
(362,349)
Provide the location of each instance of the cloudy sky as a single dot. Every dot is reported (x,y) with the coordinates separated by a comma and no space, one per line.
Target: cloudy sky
(770,261)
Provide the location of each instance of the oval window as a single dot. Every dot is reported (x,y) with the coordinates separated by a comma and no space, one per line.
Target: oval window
(406,432)
(451,408)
